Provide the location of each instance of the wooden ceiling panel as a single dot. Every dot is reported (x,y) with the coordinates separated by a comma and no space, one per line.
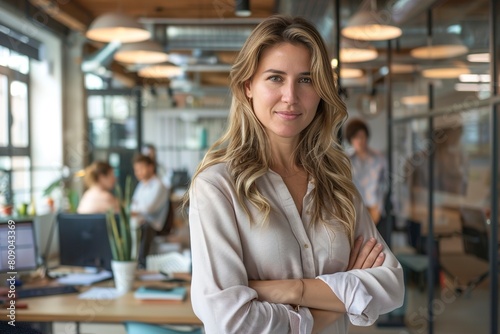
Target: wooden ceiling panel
(175,9)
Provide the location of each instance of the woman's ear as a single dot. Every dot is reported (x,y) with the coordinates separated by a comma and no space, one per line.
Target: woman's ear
(248,89)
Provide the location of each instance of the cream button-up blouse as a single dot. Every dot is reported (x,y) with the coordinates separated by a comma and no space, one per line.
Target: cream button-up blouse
(228,251)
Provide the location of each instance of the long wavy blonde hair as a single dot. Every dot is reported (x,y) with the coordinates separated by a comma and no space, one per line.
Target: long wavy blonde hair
(245,149)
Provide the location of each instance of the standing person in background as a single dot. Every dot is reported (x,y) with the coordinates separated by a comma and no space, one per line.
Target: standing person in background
(163,173)
(100,181)
(276,221)
(369,168)
(149,203)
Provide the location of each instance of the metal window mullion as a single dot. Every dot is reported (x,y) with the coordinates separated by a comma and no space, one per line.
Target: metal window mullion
(494,127)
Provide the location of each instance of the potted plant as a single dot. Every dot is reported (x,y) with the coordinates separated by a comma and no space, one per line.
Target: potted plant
(62,185)
(122,242)
(6,203)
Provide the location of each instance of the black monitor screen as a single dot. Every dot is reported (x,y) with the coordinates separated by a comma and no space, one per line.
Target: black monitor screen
(83,241)
(19,238)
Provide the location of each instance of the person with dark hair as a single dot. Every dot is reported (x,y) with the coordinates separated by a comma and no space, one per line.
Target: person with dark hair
(100,181)
(368,168)
(165,174)
(276,223)
(149,203)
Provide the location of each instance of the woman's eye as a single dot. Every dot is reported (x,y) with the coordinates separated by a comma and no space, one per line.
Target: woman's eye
(305,80)
(275,78)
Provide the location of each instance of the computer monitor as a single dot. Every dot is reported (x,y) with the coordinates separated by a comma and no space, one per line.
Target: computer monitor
(23,244)
(83,240)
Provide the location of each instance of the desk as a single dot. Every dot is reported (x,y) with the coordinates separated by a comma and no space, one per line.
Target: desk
(126,308)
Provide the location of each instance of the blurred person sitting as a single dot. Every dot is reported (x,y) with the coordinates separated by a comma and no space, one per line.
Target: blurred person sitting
(368,168)
(100,181)
(149,203)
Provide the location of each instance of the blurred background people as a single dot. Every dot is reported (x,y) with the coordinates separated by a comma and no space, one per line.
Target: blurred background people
(163,173)
(369,168)
(149,203)
(100,181)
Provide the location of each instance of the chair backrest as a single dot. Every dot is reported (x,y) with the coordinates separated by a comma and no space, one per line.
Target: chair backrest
(474,232)
(169,220)
(142,328)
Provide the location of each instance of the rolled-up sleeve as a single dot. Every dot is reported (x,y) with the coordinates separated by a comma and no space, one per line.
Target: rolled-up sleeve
(220,294)
(368,293)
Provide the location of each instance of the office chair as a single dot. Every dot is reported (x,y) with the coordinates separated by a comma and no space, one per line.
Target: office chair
(476,242)
(143,328)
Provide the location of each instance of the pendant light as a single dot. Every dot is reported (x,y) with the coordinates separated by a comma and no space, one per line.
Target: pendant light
(370,25)
(443,46)
(116,27)
(163,70)
(146,52)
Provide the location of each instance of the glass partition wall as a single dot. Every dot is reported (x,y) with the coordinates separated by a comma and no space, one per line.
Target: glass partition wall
(443,134)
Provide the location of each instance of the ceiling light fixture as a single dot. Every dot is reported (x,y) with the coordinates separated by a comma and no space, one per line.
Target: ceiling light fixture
(242,8)
(472,87)
(147,52)
(370,25)
(351,73)
(444,72)
(117,27)
(479,57)
(165,70)
(443,46)
(415,100)
(350,54)
(474,78)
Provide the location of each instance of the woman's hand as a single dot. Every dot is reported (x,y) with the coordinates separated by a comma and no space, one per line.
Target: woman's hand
(323,319)
(370,256)
(277,291)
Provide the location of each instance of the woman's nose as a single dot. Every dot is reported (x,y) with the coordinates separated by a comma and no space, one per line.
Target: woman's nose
(289,93)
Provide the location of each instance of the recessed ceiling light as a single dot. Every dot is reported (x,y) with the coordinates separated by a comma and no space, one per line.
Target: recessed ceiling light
(479,57)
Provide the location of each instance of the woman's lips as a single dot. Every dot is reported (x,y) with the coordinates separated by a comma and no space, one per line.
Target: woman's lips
(288,115)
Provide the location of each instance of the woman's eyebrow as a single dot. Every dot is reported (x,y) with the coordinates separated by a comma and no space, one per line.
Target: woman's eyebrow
(282,72)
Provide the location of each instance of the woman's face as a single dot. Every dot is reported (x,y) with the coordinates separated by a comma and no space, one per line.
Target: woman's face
(107,181)
(283,97)
(360,141)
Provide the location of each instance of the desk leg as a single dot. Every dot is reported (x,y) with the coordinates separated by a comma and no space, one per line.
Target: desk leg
(77,327)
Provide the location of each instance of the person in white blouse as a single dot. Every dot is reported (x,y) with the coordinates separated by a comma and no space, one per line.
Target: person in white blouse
(149,203)
(276,223)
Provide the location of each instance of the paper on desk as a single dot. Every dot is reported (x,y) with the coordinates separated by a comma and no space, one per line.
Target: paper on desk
(152,277)
(100,293)
(84,278)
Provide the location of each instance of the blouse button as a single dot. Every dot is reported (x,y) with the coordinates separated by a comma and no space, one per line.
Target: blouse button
(306,246)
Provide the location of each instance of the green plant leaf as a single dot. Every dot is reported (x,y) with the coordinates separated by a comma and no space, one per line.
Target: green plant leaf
(110,216)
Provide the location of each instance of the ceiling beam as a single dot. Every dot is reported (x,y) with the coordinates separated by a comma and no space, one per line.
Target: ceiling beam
(67,13)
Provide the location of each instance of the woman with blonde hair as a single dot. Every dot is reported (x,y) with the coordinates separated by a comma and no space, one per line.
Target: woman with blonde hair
(100,181)
(276,223)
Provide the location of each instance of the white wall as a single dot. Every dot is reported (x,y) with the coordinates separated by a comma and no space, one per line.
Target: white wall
(176,134)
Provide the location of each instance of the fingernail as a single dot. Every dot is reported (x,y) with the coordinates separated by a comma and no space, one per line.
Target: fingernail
(372,239)
(359,238)
(381,255)
(379,245)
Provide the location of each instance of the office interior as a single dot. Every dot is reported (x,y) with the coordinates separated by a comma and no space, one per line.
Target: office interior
(429,95)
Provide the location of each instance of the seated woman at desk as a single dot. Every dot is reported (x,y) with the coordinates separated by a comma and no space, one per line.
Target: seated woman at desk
(100,180)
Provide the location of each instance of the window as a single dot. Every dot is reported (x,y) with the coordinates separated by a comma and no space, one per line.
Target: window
(15,158)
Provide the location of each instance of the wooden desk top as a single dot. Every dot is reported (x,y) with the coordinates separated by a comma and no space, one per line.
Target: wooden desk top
(126,308)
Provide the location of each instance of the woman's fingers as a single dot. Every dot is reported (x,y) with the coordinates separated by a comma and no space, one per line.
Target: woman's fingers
(371,259)
(354,252)
(368,256)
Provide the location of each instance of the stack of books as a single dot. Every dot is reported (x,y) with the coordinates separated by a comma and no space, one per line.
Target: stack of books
(158,293)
